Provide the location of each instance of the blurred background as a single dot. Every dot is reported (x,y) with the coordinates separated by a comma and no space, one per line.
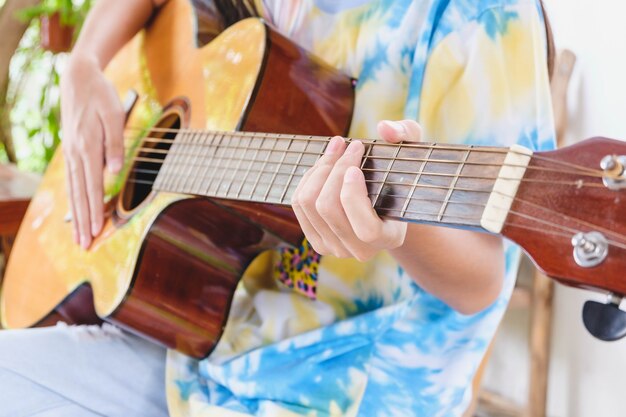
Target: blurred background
(584,375)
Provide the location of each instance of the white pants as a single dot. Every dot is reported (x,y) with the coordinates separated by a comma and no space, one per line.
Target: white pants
(80,371)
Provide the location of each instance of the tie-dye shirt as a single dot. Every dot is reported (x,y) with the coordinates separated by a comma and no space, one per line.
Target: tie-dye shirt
(373,343)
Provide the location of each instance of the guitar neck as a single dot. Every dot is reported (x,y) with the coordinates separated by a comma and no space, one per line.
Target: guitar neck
(454,185)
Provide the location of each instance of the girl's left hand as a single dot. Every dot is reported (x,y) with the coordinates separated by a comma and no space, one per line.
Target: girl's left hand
(332,205)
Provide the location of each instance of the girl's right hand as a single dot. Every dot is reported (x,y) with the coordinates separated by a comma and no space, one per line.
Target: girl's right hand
(93,136)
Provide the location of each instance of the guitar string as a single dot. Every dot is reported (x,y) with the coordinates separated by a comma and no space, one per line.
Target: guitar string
(183,177)
(567,217)
(526,216)
(373,157)
(535,229)
(547,222)
(325,139)
(590,171)
(565,235)
(257,135)
(411,198)
(389,183)
(217,195)
(451,217)
(317,154)
(313,139)
(578,183)
(284,151)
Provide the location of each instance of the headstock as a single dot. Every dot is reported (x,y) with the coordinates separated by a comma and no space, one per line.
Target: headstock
(569,215)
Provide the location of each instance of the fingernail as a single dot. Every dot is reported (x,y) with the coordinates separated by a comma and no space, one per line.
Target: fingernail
(398,128)
(355,147)
(95,228)
(353,174)
(334,145)
(84,242)
(115,165)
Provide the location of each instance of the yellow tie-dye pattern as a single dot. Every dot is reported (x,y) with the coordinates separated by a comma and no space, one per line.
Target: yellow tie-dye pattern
(490,80)
(447,104)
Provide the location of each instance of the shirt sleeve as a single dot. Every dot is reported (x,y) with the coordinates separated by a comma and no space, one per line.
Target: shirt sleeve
(487,82)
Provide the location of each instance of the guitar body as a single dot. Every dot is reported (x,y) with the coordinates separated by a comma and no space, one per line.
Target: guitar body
(166,265)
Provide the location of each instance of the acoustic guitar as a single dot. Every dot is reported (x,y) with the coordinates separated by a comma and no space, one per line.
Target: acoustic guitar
(219,139)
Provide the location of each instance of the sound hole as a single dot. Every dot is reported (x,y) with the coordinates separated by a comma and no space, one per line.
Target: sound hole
(148,161)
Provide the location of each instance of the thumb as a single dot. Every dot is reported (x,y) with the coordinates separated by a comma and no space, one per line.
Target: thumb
(400,131)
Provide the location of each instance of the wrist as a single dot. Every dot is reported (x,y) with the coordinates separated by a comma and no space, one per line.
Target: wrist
(85,59)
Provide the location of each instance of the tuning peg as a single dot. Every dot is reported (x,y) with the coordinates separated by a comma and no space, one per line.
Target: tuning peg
(605,321)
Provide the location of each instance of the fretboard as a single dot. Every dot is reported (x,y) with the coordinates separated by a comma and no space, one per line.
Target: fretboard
(425,182)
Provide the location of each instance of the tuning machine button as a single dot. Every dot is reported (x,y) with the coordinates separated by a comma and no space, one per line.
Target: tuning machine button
(605,321)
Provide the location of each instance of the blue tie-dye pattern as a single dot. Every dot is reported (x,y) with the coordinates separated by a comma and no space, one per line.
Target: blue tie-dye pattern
(333,6)
(417,354)
(496,22)
(395,10)
(372,62)
(186,388)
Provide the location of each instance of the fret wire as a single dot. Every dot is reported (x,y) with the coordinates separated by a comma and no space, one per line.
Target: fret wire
(278,167)
(235,171)
(452,185)
(218,169)
(229,160)
(382,186)
(366,156)
(417,179)
(177,160)
(293,172)
(198,143)
(189,165)
(365,159)
(190,160)
(213,142)
(214,156)
(261,172)
(245,179)
(207,158)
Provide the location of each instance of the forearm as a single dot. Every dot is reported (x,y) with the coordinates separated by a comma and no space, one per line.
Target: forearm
(110,25)
(464,269)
